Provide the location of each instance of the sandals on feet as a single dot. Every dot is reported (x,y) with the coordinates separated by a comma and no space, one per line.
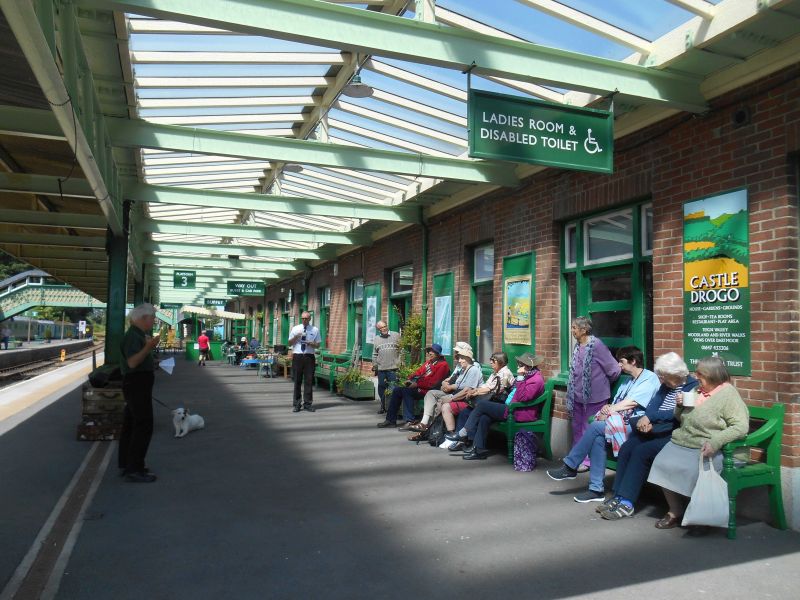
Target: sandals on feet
(668,521)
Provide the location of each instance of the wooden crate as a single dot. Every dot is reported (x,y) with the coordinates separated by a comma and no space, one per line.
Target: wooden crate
(102,400)
(98,432)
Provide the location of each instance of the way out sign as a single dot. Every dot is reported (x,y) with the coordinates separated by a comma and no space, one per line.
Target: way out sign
(516,129)
(184,280)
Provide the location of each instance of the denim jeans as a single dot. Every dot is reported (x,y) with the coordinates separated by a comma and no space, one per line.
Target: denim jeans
(481,418)
(385,379)
(407,397)
(593,445)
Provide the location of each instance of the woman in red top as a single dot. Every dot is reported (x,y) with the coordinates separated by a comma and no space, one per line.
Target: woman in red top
(204,345)
(430,375)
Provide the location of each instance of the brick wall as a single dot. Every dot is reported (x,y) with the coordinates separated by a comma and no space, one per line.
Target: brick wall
(682,158)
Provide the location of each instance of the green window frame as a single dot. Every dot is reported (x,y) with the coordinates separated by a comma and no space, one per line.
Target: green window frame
(355,312)
(481,285)
(400,296)
(324,314)
(606,274)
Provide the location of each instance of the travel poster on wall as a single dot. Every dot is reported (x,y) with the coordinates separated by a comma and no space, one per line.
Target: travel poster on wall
(716,268)
(442,324)
(372,318)
(517,310)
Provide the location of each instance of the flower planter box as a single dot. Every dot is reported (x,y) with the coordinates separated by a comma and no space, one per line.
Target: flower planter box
(359,391)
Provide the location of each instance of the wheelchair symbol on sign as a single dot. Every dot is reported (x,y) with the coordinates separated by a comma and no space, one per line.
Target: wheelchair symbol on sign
(590,144)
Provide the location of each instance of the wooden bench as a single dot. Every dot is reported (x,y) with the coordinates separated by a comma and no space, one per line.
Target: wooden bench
(748,469)
(510,427)
(328,366)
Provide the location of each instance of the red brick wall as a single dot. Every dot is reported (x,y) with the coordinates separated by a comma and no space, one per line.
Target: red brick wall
(680,159)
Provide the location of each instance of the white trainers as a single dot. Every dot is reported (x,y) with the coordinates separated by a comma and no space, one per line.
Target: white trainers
(447,444)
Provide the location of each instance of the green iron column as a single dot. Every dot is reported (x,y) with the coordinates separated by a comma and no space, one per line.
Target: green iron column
(117,248)
(424,313)
(138,288)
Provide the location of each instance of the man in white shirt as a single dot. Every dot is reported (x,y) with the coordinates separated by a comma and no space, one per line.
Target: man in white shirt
(304,340)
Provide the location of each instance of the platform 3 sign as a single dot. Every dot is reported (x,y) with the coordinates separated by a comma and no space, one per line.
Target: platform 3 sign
(716,286)
(519,129)
(246,288)
(184,280)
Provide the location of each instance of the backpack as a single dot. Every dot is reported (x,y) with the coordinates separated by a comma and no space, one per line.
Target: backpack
(526,447)
(437,431)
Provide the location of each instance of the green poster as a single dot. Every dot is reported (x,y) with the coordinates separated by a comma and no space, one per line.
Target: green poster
(716,268)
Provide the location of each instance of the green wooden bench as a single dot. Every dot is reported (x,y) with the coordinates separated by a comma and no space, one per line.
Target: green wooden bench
(510,427)
(753,472)
(741,471)
(328,365)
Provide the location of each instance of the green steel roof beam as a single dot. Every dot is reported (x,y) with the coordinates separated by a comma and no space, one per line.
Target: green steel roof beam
(141,134)
(166,278)
(45,185)
(142,192)
(249,232)
(52,219)
(30,122)
(243,251)
(162,260)
(53,239)
(36,252)
(369,32)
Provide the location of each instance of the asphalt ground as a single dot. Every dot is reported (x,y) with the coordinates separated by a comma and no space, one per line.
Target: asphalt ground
(266,503)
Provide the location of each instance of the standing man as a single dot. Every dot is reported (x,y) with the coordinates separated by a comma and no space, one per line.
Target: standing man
(304,339)
(203,344)
(137,366)
(385,360)
(6,335)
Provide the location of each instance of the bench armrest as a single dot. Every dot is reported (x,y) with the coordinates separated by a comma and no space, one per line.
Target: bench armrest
(762,434)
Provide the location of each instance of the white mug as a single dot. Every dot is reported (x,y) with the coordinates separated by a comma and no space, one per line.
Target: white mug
(689,398)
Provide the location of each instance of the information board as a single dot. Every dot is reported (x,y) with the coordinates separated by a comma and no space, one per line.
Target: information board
(246,288)
(184,280)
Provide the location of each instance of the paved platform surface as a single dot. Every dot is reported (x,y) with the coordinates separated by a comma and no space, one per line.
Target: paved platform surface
(266,503)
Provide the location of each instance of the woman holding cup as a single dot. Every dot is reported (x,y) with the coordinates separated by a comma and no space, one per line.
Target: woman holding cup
(719,416)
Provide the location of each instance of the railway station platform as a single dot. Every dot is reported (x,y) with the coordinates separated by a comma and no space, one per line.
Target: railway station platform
(39,350)
(266,503)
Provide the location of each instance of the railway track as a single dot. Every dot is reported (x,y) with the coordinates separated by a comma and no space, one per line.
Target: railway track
(24,371)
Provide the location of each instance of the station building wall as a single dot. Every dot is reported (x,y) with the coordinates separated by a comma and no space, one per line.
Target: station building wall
(750,139)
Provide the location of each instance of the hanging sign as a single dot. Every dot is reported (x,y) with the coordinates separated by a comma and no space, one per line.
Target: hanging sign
(170,305)
(505,127)
(184,280)
(716,282)
(216,302)
(246,288)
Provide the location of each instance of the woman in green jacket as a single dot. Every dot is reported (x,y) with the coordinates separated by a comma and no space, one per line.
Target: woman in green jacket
(719,416)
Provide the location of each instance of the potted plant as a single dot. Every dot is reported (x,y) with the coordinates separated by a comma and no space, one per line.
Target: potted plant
(352,384)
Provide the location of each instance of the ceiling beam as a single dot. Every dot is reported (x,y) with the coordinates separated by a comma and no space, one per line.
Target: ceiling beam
(141,134)
(142,192)
(53,219)
(29,122)
(223,250)
(53,239)
(60,254)
(46,185)
(164,260)
(249,232)
(369,32)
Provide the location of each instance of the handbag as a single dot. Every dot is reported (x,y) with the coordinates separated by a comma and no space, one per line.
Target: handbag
(709,503)
(500,394)
(525,450)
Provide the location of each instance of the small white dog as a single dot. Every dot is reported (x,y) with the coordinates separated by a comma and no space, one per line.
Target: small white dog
(184,422)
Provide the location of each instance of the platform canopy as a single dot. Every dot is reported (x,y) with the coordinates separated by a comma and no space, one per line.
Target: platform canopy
(210,312)
(270,135)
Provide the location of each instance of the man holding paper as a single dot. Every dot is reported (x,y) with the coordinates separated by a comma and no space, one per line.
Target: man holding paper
(137,365)
(304,339)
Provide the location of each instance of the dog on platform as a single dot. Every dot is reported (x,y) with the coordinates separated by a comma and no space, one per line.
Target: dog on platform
(184,422)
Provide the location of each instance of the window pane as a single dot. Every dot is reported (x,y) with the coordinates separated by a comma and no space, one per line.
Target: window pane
(612,324)
(612,287)
(572,246)
(358,325)
(610,236)
(647,225)
(326,296)
(357,290)
(402,280)
(484,263)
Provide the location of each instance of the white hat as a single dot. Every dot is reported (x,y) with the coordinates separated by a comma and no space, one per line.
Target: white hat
(461,347)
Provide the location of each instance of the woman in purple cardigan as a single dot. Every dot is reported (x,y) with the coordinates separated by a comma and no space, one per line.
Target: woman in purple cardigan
(592,370)
(529,385)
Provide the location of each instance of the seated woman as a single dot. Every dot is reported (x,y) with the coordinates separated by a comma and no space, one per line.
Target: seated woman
(611,424)
(650,433)
(470,378)
(529,385)
(719,416)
